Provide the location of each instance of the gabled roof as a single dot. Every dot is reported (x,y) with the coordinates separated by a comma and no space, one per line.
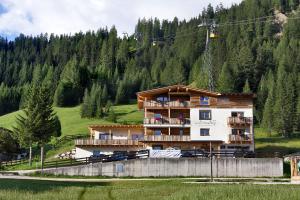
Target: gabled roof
(177,88)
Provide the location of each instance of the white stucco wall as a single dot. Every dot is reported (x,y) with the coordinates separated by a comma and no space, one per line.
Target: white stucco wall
(219,130)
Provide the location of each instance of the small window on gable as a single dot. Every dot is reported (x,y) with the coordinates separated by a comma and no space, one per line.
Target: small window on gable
(162,99)
(204,100)
(204,132)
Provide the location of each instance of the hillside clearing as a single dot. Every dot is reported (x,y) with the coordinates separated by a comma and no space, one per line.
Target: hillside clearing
(73,124)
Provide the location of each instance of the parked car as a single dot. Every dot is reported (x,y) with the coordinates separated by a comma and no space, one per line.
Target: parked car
(98,158)
(243,154)
(194,153)
(116,157)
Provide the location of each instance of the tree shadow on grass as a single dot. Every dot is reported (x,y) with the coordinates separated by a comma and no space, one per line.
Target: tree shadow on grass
(44,185)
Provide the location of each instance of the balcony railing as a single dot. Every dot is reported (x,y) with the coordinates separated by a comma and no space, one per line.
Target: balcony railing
(109,142)
(240,138)
(167,138)
(239,121)
(167,121)
(166,104)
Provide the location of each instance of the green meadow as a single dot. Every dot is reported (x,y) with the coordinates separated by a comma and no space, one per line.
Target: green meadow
(73,124)
(145,190)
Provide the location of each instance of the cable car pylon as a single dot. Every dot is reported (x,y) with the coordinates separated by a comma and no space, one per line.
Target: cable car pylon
(207,59)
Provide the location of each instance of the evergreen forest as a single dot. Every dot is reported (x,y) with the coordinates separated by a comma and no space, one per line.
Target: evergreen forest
(257,49)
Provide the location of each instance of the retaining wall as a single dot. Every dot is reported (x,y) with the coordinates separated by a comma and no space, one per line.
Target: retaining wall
(168,167)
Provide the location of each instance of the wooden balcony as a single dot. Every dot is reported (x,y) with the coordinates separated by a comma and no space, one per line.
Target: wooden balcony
(108,142)
(166,121)
(166,138)
(240,139)
(167,104)
(239,121)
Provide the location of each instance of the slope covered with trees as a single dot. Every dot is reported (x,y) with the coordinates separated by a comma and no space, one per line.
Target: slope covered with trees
(251,53)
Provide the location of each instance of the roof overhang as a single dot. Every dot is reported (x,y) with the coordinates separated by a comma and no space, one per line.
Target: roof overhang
(115,126)
(176,88)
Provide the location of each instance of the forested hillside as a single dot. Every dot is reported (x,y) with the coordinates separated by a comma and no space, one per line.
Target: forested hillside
(257,49)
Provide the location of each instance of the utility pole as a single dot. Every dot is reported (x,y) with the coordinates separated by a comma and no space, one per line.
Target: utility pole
(211,163)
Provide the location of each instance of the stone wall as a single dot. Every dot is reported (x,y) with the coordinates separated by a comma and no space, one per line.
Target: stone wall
(168,167)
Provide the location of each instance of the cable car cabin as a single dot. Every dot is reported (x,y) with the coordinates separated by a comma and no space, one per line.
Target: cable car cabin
(157,43)
(213,35)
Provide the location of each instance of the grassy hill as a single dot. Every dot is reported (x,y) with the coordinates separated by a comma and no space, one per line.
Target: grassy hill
(73,124)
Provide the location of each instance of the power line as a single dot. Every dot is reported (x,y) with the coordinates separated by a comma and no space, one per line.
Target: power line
(263,19)
(234,23)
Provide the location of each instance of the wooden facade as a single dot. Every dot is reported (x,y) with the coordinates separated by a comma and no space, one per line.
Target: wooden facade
(167,119)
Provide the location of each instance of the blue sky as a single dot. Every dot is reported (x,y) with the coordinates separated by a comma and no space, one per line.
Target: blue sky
(32,17)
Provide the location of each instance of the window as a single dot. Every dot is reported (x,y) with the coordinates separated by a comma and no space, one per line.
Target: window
(96,152)
(181,132)
(162,99)
(104,136)
(237,114)
(157,132)
(157,147)
(204,132)
(136,137)
(238,131)
(204,100)
(157,116)
(204,115)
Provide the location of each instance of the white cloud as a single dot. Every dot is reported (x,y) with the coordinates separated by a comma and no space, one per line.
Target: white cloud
(33,17)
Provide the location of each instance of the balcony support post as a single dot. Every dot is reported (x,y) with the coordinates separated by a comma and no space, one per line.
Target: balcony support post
(169,115)
(128,136)
(110,134)
(169,129)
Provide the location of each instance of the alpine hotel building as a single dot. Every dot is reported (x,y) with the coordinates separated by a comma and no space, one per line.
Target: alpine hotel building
(178,117)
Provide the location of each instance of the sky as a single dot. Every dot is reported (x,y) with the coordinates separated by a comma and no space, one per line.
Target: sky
(32,17)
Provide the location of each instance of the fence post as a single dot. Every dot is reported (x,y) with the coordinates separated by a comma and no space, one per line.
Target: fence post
(56,164)
(86,160)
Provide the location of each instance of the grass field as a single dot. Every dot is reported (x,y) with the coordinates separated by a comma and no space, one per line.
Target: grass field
(73,124)
(275,142)
(146,190)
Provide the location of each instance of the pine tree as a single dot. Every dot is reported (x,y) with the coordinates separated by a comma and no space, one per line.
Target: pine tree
(268,113)
(84,112)
(246,88)
(297,119)
(121,96)
(39,122)
(225,83)
(8,144)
